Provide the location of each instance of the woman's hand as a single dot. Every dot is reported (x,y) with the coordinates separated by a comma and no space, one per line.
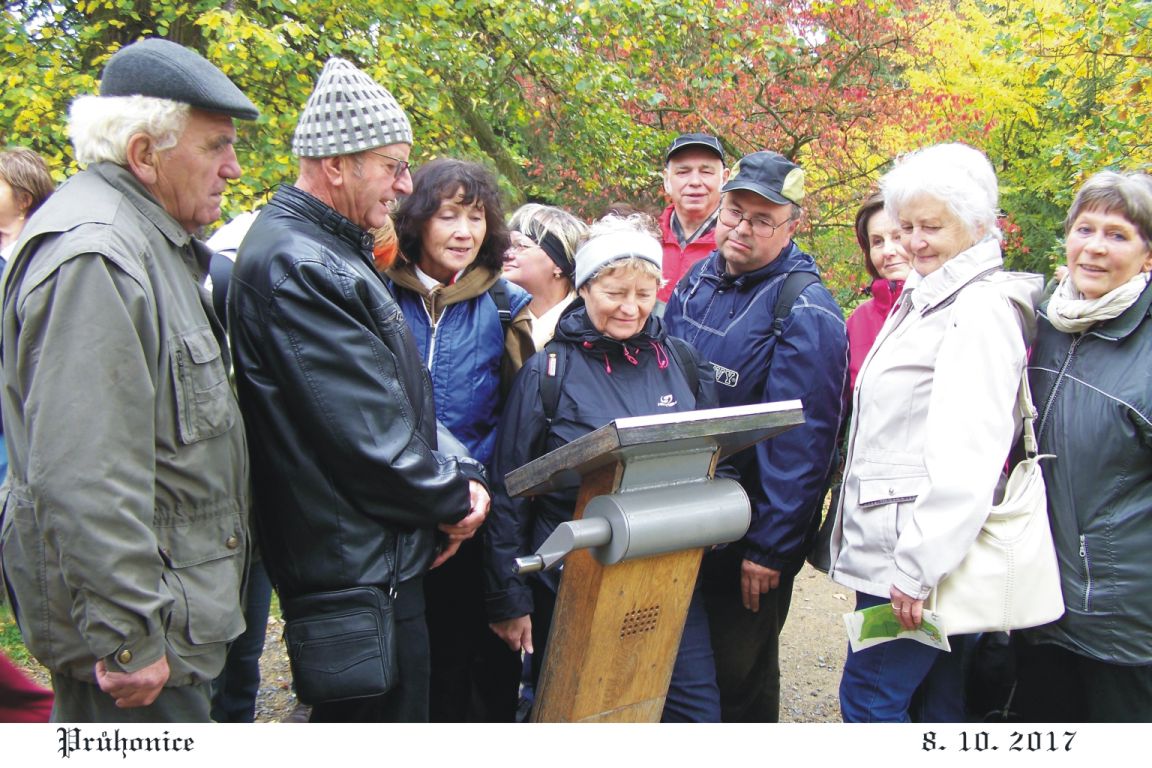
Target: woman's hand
(517,633)
(907,610)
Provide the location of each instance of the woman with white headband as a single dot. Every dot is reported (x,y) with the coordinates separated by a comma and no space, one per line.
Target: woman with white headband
(617,361)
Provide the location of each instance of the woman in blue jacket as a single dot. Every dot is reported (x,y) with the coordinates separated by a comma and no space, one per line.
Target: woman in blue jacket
(448,283)
(1090,381)
(619,361)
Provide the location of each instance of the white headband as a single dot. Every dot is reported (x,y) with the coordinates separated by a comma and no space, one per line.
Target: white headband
(600,251)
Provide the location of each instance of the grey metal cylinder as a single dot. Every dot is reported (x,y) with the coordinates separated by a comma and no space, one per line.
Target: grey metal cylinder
(670,518)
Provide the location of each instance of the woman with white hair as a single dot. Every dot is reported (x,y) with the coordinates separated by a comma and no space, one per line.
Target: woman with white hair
(935,419)
(617,361)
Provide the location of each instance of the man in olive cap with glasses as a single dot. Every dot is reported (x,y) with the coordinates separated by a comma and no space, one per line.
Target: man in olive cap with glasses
(353,486)
(757,310)
(125,528)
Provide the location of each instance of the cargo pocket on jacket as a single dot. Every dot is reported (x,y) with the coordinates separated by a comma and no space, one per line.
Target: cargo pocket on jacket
(206,562)
(203,397)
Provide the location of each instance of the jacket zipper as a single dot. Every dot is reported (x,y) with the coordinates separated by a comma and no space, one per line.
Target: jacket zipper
(1087,574)
(435,326)
(1056,386)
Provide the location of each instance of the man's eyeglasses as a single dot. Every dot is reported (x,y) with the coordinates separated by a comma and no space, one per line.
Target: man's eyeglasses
(401,165)
(761,227)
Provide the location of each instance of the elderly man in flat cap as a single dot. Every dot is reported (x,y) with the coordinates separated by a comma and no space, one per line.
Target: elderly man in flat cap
(355,495)
(125,518)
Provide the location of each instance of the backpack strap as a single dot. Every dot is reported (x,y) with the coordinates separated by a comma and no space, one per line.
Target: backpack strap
(550,368)
(794,285)
(686,358)
(499,294)
(550,363)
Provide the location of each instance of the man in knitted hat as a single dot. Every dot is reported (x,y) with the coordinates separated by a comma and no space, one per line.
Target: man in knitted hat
(757,310)
(125,528)
(354,489)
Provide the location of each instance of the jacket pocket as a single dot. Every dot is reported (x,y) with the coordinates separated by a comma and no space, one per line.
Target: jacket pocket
(206,560)
(1086,559)
(203,396)
(878,491)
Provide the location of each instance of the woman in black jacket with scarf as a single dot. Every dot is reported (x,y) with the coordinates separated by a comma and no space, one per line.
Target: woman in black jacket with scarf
(618,362)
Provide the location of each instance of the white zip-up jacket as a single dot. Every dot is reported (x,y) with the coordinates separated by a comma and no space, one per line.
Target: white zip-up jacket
(934,420)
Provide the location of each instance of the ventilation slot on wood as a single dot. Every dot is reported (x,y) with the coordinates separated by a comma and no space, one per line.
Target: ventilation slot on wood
(639,621)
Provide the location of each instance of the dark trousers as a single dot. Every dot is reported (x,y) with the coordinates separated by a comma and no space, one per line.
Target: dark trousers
(407,702)
(80,702)
(903,680)
(475,676)
(693,696)
(234,689)
(1056,685)
(746,644)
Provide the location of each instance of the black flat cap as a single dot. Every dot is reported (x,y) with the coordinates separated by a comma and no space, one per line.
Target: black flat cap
(165,70)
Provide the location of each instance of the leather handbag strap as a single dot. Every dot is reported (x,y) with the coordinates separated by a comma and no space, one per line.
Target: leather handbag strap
(1028,415)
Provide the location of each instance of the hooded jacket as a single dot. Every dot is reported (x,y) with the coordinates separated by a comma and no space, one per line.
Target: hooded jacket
(603,379)
(729,320)
(345,449)
(935,418)
(1094,394)
(458,332)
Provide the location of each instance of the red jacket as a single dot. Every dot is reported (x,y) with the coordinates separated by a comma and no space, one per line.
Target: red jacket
(677,261)
(865,321)
(21,699)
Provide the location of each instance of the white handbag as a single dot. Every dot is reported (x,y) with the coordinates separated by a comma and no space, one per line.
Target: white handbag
(1010,578)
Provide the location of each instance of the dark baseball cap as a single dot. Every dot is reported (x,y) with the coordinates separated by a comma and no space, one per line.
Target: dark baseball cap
(163,69)
(685,140)
(770,175)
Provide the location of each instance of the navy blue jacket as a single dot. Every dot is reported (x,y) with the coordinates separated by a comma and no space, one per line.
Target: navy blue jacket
(729,320)
(602,380)
(463,351)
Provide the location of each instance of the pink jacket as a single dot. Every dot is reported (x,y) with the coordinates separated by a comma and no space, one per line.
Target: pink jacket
(865,321)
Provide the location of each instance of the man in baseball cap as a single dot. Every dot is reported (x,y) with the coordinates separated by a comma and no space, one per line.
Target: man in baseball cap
(355,492)
(693,172)
(756,309)
(126,530)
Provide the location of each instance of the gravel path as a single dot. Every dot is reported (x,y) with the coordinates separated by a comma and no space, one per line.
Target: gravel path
(811,650)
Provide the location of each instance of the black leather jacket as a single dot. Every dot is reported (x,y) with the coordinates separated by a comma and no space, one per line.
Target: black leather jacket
(338,404)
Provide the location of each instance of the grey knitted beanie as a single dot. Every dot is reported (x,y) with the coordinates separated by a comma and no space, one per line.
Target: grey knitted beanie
(348,112)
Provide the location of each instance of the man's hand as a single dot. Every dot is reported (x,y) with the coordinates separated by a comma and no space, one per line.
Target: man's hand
(517,633)
(908,611)
(755,580)
(479,501)
(133,689)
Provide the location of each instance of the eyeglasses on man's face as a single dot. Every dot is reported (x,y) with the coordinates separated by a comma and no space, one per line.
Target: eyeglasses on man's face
(761,225)
(400,167)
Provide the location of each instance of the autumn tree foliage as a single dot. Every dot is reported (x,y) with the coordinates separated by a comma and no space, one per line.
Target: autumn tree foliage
(574,101)
(1053,91)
